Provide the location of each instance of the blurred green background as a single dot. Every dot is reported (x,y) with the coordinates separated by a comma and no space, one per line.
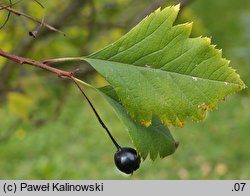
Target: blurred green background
(48,131)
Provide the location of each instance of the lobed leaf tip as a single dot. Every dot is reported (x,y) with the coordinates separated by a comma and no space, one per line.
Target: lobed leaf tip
(213,46)
(158,10)
(208,40)
(188,25)
(243,85)
(177,7)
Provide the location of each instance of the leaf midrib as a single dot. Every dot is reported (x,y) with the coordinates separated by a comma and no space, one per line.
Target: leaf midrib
(169,72)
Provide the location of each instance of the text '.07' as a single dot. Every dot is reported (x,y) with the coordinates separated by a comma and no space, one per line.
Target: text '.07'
(239,186)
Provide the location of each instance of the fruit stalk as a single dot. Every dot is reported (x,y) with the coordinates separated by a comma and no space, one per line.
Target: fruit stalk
(96,114)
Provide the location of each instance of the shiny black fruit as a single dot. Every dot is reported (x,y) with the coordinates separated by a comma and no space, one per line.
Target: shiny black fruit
(127,160)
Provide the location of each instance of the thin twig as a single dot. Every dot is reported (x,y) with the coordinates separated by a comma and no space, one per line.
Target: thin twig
(73,7)
(39,3)
(18,13)
(22,60)
(11,5)
(8,16)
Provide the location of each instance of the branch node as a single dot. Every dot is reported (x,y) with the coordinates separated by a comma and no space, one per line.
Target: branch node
(74,72)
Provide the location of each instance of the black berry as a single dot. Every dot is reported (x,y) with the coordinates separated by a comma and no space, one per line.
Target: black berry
(127,160)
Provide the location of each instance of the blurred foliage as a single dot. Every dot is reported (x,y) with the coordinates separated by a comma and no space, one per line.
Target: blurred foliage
(47,130)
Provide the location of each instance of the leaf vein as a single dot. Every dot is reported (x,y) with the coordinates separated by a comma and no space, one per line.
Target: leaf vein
(139,41)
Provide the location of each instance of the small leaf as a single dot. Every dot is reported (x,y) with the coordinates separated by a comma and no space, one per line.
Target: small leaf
(155,139)
(158,71)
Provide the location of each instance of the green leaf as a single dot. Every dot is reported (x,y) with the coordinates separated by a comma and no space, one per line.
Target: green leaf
(158,71)
(155,139)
